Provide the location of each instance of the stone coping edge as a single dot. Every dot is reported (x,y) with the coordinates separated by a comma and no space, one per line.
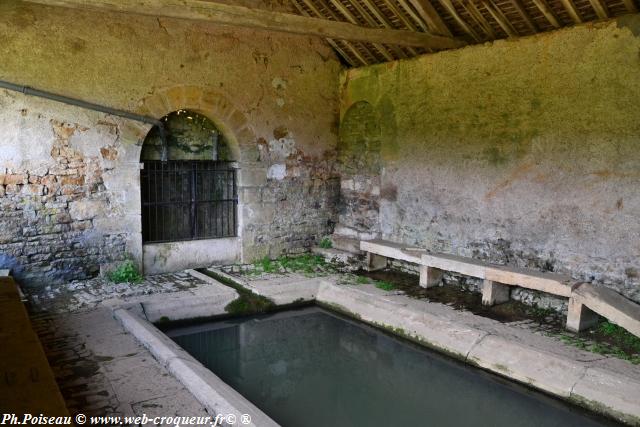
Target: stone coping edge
(208,389)
(579,382)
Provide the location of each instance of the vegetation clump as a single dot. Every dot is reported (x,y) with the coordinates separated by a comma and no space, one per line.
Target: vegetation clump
(127,272)
(607,339)
(326,243)
(308,264)
(385,286)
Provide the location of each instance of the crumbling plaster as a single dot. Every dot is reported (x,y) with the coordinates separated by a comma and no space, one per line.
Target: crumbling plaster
(261,89)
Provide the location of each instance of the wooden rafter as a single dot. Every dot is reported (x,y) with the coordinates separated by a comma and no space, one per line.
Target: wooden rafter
(572,10)
(384,20)
(600,8)
(372,23)
(474,13)
(349,16)
(452,11)
(630,5)
(547,12)
(356,53)
(333,44)
(226,14)
(517,4)
(497,14)
(434,21)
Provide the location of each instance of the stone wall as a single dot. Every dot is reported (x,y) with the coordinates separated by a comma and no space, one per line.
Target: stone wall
(69,178)
(521,152)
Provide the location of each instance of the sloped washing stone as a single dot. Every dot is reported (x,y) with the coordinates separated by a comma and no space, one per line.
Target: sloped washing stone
(545,371)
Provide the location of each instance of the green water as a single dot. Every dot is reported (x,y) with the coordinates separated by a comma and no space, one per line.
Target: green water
(310,367)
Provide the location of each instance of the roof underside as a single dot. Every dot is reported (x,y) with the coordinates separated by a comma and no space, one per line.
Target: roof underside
(474,21)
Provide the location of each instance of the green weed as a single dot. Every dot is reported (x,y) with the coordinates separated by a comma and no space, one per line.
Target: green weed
(326,243)
(127,272)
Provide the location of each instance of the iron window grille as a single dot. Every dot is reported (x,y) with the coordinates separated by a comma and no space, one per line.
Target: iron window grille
(188,200)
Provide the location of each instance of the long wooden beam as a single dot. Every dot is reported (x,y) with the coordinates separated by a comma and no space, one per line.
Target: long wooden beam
(262,19)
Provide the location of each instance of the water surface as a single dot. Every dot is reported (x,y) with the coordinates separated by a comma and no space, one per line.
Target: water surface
(312,368)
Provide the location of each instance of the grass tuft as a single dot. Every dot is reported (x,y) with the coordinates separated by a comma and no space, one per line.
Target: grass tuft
(127,272)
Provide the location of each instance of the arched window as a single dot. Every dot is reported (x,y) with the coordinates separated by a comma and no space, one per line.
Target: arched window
(193,194)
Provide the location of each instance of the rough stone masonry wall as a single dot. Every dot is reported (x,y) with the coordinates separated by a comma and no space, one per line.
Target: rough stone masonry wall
(69,178)
(521,152)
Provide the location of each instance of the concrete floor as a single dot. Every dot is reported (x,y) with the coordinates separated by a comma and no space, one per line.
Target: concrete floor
(102,370)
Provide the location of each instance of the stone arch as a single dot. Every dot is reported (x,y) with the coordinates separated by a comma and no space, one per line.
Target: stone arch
(232,122)
(359,140)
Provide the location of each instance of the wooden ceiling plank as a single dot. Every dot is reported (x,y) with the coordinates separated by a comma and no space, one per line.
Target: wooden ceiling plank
(572,10)
(600,8)
(355,52)
(364,14)
(240,16)
(370,20)
(452,11)
(432,18)
(630,5)
(396,11)
(547,12)
(517,4)
(413,15)
(499,18)
(369,4)
(351,18)
(331,42)
(473,11)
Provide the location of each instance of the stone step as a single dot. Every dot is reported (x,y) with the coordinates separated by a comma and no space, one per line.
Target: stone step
(347,244)
(351,260)
(605,302)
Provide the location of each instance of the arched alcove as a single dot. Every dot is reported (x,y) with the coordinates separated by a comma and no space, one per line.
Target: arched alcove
(188,181)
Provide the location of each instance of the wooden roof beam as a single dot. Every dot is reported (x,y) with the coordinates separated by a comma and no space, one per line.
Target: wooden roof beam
(347,14)
(332,43)
(372,22)
(500,18)
(473,12)
(600,8)
(547,12)
(521,10)
(434,21)
(466,27)
(572,10)
(630,5)
(225,14)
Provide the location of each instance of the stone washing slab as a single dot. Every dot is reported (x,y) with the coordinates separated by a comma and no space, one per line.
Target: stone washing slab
(207,388)
(540,369)
(458,264)
(599,387)
(611,305)
(517,354)
(373,306)
(204,301)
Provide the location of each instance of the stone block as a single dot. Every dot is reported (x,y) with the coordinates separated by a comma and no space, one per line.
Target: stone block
(430,277)
(252,177)
(494,293)
(86,209)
